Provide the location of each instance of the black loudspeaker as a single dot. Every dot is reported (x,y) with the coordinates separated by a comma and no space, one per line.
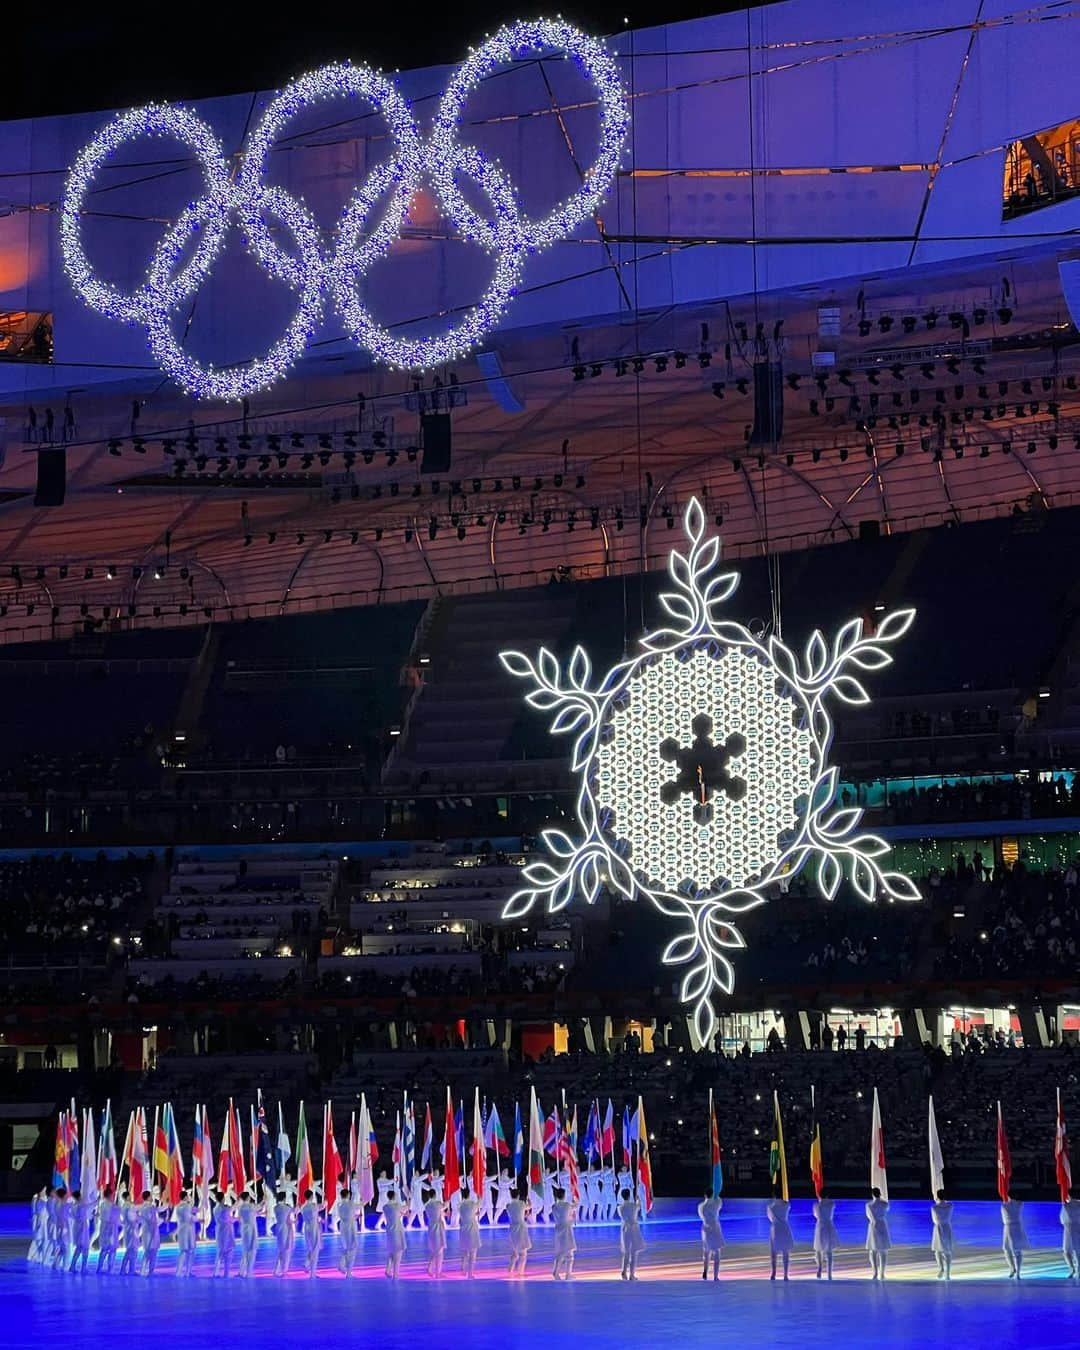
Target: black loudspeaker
(435,437)
(51,477)
(768,425)
(869,531)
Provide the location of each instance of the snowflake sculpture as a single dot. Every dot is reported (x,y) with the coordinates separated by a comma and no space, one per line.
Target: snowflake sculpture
(704,771)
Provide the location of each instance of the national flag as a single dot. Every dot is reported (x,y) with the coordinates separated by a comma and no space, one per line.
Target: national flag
(937,1162)
(519,1141)
(395,1157)
(552,1132)
(60,1153)
(1062,1166)
(161,1149)
(331,1158)
(265,1159)
(590,1145)
(176,1158)
(607,1136)
(231,1169)
(108,1171)
(354,1152)
(479,1149)
(570,1157)
(878,1178)
(408,1148)
(1004,1161)
(207,1175)
(459,1134)
(282,1149)
(74,1163)
(373,1147)
(626,1136)
(777,1159)
(425,1155)
(139,1158)
(365,1166)
(817,1170)
(494,1138)
(536,1147)
(305,1172)
(200,1151)
(644,1165)
(451,1172)
(716,1168)
(88,1175)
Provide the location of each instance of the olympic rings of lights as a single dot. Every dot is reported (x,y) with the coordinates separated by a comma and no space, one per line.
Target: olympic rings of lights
(190,247)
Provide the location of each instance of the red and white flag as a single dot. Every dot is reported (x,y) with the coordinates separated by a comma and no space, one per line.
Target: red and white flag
(1004,1161)
(878,1177)
(331,1159)
(479,1152)
(1061,1153)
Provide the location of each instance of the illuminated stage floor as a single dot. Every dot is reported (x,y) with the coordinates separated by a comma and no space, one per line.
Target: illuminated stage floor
(44,1309)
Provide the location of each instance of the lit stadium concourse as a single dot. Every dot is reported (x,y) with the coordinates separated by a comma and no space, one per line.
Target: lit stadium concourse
(314,403)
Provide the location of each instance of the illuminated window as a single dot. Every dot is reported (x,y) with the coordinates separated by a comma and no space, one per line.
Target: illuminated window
(1041,169)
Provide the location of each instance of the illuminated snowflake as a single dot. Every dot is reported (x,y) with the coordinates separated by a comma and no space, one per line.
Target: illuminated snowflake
(704,773)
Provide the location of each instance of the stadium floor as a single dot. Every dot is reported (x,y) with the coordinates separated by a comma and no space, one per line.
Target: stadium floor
(44,1308)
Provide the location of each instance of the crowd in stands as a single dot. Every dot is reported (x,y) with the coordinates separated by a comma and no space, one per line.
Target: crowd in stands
(992,799)
(66,908)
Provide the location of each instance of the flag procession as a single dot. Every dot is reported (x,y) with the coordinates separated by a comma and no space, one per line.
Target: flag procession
(546,1160)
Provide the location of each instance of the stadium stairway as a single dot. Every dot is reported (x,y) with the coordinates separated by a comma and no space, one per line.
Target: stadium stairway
(464,716)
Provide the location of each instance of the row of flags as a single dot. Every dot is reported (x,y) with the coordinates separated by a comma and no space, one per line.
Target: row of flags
(879,1180)
(153,1156)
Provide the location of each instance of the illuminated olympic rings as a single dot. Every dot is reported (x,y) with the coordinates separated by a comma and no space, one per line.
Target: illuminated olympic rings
(190,246)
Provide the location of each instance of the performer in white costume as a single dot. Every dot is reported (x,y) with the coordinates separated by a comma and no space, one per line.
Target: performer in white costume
(520,1241)
(129,1218)
(284,1232)
(1013,1238)
(108,1231)
(224,1236)
(631,1242)
(394,1213)
(712,1234)
(150,1217)
(1070,1234)
(185,1234)
(826,1238)
(64,1223)
(248,1214)
(504,1193)
(878,1240)
(82,1219)
(941,1244)
(416,1201)
(564,1216)
(347,1231)
(311,1221)
(435,1214)
(610,1196)
(39,1227)
(383,1188)
(469,1223)
(781,1238)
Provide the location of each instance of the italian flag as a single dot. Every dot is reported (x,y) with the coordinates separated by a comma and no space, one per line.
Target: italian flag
(305,1173)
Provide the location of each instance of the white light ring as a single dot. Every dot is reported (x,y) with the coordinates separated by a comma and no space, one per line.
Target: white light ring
(179,124)
(335,81)
(505,47)
(235,382)
(357,252)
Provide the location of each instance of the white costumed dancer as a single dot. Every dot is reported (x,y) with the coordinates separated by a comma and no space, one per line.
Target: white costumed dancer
(284,1232)
(394,1213)
(564,1215)
(185,1234)
(712,1234)
(64,1223)
(150,1217)
(1070,1234)
(348,1232)
(781,1238)
(609,1196)
(39,1227)
(383,1187)
(631,1243)
(224,1236)
(248,1213)
(826,1238)
(469,1224)
(504,1193)
(108,1232)
(435,1214)
(311,1222)
(129,1219)
(520,1241)
(1013,1237)
(941,1244)
(878,1240)
(82,1220)
(416,1201)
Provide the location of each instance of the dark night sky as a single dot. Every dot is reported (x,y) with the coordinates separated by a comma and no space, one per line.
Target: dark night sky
(67,58)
